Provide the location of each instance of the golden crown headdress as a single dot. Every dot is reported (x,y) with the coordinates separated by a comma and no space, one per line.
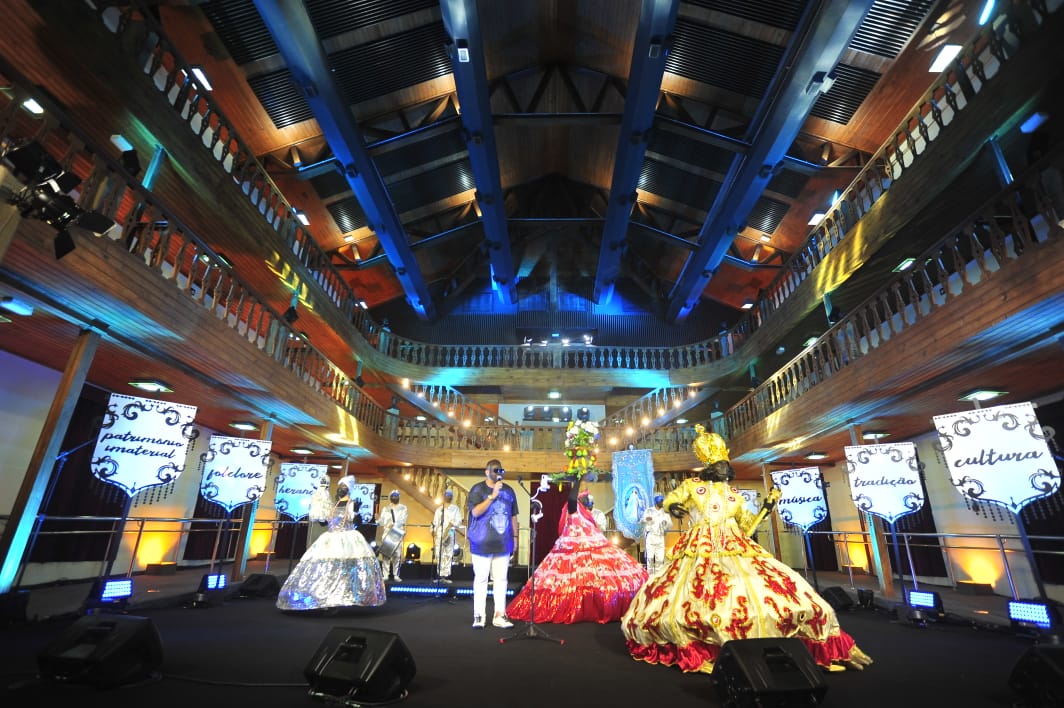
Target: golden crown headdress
(709,447)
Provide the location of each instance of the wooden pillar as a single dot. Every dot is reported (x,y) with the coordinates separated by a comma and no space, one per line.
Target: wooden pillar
(243,539)
(27,505)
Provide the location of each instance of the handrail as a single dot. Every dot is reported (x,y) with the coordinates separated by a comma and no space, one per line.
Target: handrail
(996,233)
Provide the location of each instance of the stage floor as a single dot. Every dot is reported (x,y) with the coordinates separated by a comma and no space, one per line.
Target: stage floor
(245,651)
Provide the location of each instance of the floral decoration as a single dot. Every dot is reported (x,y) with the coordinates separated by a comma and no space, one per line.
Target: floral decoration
(581,437)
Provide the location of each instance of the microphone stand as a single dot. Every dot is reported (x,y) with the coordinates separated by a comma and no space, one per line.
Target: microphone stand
(531,631)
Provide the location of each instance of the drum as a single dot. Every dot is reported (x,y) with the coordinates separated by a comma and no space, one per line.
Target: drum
(390,543)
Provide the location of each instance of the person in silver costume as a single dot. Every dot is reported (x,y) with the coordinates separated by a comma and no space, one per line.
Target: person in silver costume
(340,568)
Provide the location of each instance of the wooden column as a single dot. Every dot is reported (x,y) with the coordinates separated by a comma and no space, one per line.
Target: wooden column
(27,505)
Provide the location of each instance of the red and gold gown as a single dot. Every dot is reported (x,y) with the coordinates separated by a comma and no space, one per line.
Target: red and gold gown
(584,578)
(718,584)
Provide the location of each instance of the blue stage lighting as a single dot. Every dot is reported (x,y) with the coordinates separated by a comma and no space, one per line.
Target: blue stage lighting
(1031,614)
(216,581)
(115,591)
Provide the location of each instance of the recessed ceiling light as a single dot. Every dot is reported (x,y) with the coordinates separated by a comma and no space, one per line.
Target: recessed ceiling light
(681,421)
(816,218)
(244,425)
(33,107)
(817,456)
(905,264)
(981,394)
(336,466)
(301,451)
(874,434)
(809,342)
(945,55)
(151,385)
(554,395)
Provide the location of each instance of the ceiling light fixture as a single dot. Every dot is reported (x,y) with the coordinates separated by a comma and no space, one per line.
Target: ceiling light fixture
(816,218)
(33,107)
(946,55)
(151,385)
(981,394)
(874,434)
(817,456)
(244,425)
(197,71)
(905,264)
(301,451)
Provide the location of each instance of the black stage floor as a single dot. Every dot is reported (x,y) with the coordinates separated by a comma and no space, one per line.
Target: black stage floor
(246,652)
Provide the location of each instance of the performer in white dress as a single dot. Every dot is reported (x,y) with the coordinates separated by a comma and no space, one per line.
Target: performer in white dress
(446,520)
(340,568)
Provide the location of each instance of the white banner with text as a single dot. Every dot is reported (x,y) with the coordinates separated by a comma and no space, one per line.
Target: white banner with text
(234,470)
(885,479)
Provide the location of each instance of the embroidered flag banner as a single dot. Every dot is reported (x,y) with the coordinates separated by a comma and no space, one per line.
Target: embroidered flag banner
(296,484)
(802,502)
(885,479)
(633,489)
(998,455)
(234,470)
(753,499)
(142,442)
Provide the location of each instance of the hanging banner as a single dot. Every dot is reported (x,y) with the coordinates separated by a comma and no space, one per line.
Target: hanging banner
(998,455)
(885,479)
(296,484)
(752,497)
(142,442)
(802,502)
(633,489)
(234,470)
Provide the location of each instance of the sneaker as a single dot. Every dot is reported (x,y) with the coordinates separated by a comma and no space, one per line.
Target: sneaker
(478,622)
(502,621)
(398,579)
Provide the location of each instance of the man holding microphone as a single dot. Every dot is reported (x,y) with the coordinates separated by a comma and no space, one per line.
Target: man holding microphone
(492,534)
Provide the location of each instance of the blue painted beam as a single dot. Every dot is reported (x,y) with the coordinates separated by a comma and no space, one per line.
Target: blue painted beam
(657,18)
(462,23)
(816,48)
(291,29)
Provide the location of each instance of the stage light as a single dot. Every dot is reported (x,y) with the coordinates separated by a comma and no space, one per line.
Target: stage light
(211,590)
(64,244)
(31,163)
(1032,614)
(413,553)
(110,594)
(866,598)
(924,605)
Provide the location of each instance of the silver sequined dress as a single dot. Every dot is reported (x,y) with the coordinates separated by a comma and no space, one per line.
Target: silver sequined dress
(338,570)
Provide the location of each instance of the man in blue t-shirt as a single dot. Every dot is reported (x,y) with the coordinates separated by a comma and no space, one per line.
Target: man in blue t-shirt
(492,507)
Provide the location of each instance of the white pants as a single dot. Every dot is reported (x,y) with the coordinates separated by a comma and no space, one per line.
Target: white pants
(655,554)
(393,563)
(497,567)
(445,555)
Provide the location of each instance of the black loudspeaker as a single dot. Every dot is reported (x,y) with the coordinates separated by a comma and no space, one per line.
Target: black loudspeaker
(360,665)
(837,598)
(260,585)
(103,650)
(1038,676)
(767,673)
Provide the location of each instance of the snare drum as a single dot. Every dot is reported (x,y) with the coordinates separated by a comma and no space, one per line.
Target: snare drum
(390,542)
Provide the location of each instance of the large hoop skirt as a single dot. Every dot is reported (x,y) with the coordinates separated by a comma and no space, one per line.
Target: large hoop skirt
(584,578)
(339,569)
(718,585)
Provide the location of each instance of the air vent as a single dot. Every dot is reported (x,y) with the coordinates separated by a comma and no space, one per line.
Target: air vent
(889,25)
(783,14)
(392,63)
(851,88)
(677,184)
(240,28)
(709,55)
(347,214)
(335,17)
(766,215)
(280,98)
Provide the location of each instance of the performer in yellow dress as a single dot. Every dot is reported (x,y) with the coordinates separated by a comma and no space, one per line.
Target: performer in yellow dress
(718,584)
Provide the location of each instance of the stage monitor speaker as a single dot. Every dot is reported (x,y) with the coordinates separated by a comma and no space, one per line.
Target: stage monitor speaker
(260,585)
(103,650)
(837,598)
(1038,676)
(771,672)
(360,665)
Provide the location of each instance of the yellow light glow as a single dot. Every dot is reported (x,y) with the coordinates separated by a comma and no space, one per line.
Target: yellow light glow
(260,541)
(980,566)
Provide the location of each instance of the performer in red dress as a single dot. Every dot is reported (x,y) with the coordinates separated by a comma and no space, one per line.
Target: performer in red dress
(584,578)
(718,584)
